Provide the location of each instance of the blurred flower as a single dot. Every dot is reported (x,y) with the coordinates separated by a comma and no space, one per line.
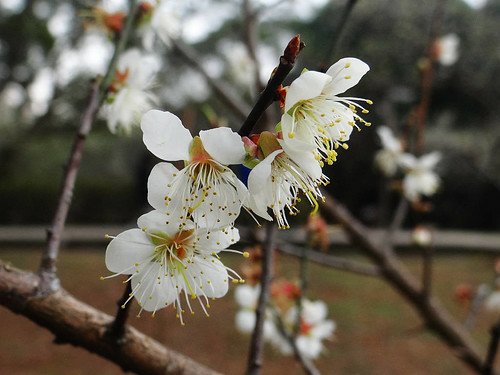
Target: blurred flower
(276,181)
(420,179)
(246,297)
(492,303)
(387,159)
(128,97)
(313,329)
(447,49)
(41,91)
(284,293)
(318,115)
(421,236)
(166,261)
(159,20)
(205,188)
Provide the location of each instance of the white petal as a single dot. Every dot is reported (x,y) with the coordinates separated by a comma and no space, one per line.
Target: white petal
(165,136)
(429,161)
(157,221)
(245,321)
(314,312)
(161,175)
(302,136)
(213,275)
(309,347)
(407,161)
(323,329)
(128,248)
(224,145)
(217,240)
(346,73)
(304,159)
(258,204)
(308,85)
(153,293)
(260,175)
(247,295)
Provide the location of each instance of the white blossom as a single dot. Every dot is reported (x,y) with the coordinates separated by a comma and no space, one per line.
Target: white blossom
(130,97)
(320,116)
(205,188)
(447,46)
(387,159)
(169,262)
(420,178)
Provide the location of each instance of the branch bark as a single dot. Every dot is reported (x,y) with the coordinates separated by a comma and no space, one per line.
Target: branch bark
(397,275)
(76,323)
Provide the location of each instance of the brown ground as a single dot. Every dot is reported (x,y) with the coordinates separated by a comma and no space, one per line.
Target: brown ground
(377,333)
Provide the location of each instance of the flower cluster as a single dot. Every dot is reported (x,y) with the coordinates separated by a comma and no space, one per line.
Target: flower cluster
(283,325)
(172,256)
(419,176)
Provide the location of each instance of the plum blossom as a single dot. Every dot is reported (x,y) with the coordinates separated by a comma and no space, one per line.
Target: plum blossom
(420,179)
(128,96)
(447,49)
(205,188)
(387,159)
(168,262)
(319,116)
(246,297)
(285,170)
(162,20)
(313,329)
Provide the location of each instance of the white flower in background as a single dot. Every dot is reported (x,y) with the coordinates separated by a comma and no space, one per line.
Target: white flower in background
(286,170)
(320,116)
(168,263)
(421,236)
(492,303)
(163,21)
(420,179)
(41,91)
(205,188)
(387,159)
(313,329)
(246,297)
(447,49)
(129,97)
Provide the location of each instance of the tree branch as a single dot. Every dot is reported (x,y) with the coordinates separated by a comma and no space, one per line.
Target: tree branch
(397,275)
(492,350)
(255,355)
(79,324)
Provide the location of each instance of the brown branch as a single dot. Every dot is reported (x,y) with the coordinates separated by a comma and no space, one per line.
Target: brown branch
(255,355)
(250,34)
(266,98)
(397,275)
(189,55)
(116,329)
(306,364)
(492,350)
(76,323)
(49,281)
(428,253)
(332,261)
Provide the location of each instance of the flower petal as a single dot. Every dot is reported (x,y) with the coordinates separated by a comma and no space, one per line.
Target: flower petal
(157,221)
(224,145)
(260,175)
(127,249)
(215,241)
(212,274)
(429,161)
(161,175)
(165,136)
(308,85)
(304,159)
(346,73)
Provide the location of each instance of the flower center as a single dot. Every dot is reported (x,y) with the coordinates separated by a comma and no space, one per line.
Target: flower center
(175,248)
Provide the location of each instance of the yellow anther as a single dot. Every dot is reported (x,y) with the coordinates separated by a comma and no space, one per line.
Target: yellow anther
(291,134)
(347,77)
(369,101)
(246,254)
(347,65)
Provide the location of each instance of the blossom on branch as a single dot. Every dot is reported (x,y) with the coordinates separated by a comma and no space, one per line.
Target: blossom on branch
(420,178)
(283,171)
(168,262)
(128,96)
(205,189)
(387,159)
(319,116)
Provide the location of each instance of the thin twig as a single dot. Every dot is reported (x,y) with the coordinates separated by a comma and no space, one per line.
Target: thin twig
(397,220)
(337,33)
(428,252)
(255,356)
(266,98)
(117,328)
(492,350)
(47,270)
(250,23)
(332,261)
(306,364)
